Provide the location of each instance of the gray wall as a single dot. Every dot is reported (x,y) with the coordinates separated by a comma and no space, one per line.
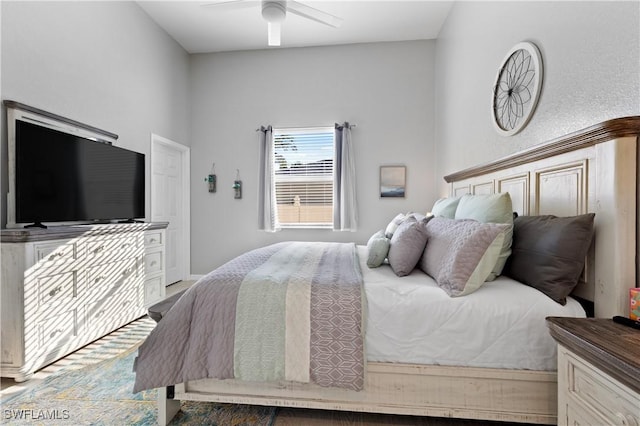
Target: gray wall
(591,56)
(106,64)
(386,89)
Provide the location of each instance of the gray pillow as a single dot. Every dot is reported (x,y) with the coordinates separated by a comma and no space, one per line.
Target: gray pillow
(445,207)
(549,252)
(377,249)
(460,254)
(407,245)
(490,208)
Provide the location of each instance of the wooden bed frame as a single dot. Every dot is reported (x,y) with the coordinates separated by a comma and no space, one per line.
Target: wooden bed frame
(593,170)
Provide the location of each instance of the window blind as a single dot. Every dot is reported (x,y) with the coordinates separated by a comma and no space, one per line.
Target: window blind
(303,176)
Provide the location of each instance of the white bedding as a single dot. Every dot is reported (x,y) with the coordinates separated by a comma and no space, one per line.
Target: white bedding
(501,325)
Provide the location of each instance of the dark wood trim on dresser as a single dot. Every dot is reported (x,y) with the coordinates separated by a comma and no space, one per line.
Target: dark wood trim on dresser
(605,131)
(24,235)
(27,108)
(611,347)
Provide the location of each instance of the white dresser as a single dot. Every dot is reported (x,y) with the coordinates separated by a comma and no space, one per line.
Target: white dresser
(598,372)
(66,286)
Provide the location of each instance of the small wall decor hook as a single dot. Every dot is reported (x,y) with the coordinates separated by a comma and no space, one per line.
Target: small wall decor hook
(237,186)
(211,179)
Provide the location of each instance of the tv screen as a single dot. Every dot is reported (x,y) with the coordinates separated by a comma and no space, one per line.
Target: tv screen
(61,177)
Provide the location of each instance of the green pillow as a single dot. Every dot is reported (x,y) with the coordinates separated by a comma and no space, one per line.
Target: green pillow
(492,208)
(377,249)
(445,207)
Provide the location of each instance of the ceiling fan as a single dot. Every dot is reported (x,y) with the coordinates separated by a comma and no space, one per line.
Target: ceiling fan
(275,12)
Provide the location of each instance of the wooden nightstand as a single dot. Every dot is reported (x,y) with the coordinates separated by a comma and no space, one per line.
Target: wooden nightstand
(598,371)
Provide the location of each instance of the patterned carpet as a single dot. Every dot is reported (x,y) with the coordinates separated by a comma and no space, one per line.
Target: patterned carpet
(93,387)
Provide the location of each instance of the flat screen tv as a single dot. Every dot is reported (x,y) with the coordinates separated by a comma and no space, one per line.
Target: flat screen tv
(60,177)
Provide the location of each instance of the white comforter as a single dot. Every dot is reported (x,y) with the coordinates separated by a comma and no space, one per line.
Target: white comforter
(501,325)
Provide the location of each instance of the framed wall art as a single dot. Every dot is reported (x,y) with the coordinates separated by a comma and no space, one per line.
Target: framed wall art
(517,89)
(393,181)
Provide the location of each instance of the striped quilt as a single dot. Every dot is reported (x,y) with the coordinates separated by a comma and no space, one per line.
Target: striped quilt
(289,311)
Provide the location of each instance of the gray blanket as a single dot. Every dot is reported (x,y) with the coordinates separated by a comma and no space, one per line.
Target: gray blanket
(289,311)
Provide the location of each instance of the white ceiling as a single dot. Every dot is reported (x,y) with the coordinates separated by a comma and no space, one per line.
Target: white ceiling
(201,29)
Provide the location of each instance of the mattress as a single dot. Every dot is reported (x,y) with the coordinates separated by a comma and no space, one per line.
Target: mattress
(501,325)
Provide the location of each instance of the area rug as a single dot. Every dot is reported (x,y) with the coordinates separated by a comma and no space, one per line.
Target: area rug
(99,393)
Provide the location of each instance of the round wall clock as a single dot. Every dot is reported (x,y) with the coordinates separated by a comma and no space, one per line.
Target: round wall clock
(517,88)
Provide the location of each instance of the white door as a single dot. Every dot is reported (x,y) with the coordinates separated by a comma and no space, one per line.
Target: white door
(170,202)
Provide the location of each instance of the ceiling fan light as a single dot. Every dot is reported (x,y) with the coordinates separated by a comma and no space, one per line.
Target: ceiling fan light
(274,11)
(273,29)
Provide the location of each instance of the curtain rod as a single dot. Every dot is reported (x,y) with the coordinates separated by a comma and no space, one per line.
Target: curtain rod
(307,127)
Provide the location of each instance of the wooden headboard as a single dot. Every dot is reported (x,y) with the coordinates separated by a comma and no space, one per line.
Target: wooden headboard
(592,170)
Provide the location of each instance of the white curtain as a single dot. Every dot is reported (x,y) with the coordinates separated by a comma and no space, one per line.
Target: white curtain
(345,209)
(267,220)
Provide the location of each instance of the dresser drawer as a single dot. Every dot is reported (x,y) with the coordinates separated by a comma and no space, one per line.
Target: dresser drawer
(113,276)
(99,249)
(154,290)
(153,238)
(593,388)
(56,330)
(153,262)
(54,251)
(56,289)
(102,313)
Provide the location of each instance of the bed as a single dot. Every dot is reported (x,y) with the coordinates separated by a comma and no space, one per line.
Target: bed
(590,171)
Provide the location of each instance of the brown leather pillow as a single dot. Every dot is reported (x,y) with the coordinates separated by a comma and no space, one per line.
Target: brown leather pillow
(548,252)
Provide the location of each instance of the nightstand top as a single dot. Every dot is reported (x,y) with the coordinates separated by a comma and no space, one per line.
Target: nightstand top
(614,348)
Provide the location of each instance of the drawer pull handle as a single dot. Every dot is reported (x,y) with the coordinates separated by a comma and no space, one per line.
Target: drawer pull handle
(125,245)
(98,249)
(153,240)
(54,255)
(98,279)
(153,263)
(127,272)
(55,332)
(99,314)
(55,291)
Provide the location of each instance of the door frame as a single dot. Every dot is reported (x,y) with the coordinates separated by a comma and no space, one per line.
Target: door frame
(185,158)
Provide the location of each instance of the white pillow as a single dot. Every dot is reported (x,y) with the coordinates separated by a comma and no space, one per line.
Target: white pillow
(491,208)
(393,225)
(460,254)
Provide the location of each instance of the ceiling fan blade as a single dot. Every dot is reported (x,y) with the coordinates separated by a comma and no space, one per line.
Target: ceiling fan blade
(230,4)
(314,14)
(273,30)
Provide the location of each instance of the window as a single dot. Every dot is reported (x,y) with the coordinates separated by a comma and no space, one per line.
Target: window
(303,177)
(307,179)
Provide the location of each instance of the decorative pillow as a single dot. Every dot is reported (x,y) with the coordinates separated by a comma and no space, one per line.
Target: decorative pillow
(445,207)
(377,249)
(460,254)
(417,216)
(493,208)
(393,225)
(407,245)
(549,252)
